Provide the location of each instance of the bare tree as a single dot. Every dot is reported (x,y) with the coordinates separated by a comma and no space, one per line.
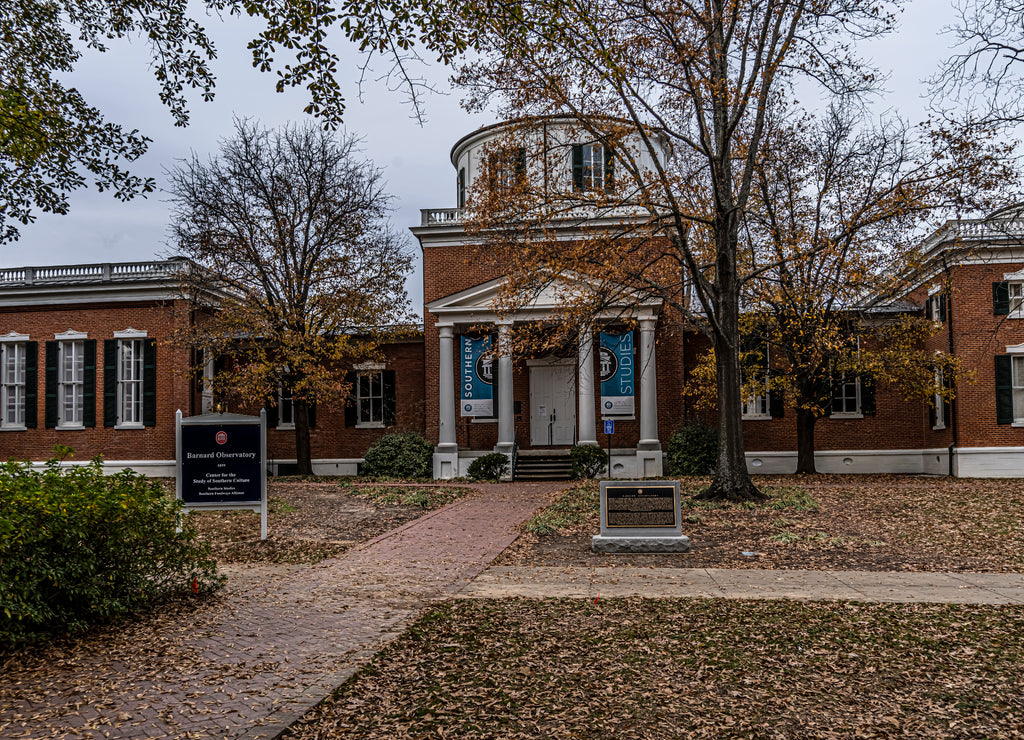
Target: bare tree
(698,79)
(293,227)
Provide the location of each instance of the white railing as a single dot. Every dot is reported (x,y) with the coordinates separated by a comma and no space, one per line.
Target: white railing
(104,272)
(977,228)
(438,216)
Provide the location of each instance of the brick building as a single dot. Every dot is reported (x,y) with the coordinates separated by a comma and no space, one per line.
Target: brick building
(972,287)
(87,362)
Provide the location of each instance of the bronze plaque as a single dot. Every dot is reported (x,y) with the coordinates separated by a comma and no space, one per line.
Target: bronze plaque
(641,506)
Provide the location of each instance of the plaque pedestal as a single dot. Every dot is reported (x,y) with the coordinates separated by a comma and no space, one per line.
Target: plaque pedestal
(640,516)
(602,543)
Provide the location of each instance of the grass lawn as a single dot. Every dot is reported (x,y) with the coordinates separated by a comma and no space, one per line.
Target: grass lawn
(688,668)
(855,522)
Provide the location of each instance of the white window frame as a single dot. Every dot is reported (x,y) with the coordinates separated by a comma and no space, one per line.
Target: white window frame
(755,407)
(71,351)
(370,370)
(935,294)
(130,384)
(594,166)
(940,407)
(857,413)
(13,352)
(285,401)
(1016,353)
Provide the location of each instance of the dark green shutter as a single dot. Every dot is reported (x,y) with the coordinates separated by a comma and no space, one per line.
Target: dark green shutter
(928,308)
(311,414)
(52,358)
(776,404)
(867,395)
(577,167)
(942,307)
(389,398)
(609,172)
(351,418)
(1000,298)
(31,384)
(149,382)
(520,165)
(1004,390)
(89,384)
(462,187)
(272,412)
(109,382)
(931,416)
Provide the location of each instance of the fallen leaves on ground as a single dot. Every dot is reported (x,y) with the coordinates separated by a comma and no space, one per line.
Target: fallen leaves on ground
(883,522)
(632,668)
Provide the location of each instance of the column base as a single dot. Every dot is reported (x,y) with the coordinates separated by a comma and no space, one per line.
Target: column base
(446,462)
(587,443)
(649,463)
(506,449)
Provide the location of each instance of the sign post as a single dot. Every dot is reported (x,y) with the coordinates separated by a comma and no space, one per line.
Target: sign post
(640,516)
(609,430)
(221,463)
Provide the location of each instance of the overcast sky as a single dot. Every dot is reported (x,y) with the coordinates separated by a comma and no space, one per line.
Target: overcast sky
(414,157)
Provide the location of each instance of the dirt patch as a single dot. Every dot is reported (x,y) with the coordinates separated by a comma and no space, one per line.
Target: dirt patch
(884,523)
(311,520)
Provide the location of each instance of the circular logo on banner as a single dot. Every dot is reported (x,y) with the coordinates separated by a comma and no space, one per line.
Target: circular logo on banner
(468,407)
(609,364)
(608,405)
(222,437)
(485,369)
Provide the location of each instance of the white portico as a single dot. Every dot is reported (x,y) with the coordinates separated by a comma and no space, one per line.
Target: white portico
(562,396)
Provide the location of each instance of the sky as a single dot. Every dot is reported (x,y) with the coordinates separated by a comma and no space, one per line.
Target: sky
(414,156)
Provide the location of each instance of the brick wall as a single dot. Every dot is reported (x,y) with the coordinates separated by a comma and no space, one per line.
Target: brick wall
(100,322)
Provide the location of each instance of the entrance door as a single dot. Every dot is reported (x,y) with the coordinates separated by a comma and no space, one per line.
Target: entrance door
(553,404)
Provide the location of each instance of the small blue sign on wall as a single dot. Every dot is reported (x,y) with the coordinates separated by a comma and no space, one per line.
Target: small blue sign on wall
(609,426)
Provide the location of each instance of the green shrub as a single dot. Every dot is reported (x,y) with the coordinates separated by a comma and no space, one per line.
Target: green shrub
(488,467)
(693,450)
(79,548)
(587,461)
(399,455)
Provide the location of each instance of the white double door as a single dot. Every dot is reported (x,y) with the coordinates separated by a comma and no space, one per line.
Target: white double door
(553,403)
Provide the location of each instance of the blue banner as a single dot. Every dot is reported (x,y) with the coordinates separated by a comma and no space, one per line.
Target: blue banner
(476,377)
(617,374)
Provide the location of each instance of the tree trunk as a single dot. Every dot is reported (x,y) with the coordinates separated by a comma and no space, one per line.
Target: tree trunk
(303,454)
(805,420)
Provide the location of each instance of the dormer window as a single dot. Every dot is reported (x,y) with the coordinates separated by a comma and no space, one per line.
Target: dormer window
(592,168)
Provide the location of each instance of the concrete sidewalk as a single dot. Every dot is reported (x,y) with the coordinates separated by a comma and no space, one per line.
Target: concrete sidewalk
(572,582)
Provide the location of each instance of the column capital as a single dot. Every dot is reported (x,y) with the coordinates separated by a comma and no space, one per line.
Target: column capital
(446,329)
(648,323)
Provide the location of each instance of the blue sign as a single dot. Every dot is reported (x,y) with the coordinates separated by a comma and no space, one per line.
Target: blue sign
(476,377)
(617,374)
(609,426)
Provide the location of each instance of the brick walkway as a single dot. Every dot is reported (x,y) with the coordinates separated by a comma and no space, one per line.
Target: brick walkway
(252,666)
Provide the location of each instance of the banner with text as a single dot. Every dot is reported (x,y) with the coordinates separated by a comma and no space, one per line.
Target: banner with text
(617,377)
(476,377)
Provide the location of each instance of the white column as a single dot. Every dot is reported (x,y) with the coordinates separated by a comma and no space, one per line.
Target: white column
(446,454)
(648,451)
(506,418)
(648,386)
(585,390)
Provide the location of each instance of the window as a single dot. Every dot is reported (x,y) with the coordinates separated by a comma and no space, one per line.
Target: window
(129,382)
(12,384)
(935,307)
(370,398)
(285,408)
(846,396)
(462,187)
(507,169)
(756,372)
(71,383)
(592,167)
(1018,389)
(1008,296)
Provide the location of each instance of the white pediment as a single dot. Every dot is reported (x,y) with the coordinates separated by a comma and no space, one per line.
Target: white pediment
(481,302)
